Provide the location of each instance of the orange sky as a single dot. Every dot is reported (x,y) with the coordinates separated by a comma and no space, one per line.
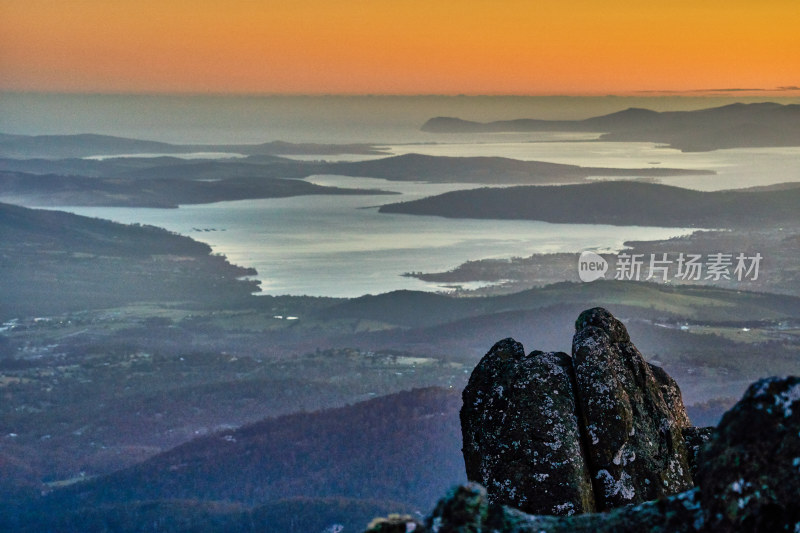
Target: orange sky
(398,46)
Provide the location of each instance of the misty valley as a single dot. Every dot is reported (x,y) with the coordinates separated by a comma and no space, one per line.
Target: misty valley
(275,336)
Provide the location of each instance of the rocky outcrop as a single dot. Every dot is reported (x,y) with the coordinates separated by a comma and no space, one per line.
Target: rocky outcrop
(466,509)
(748,481)
(749,472)
(634,443)
(521,434)
(547,433)
(626,420)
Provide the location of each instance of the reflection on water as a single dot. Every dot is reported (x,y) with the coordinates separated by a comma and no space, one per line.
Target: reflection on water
(341,245)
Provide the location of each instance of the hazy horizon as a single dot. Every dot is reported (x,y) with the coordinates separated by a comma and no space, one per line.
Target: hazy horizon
(220,119)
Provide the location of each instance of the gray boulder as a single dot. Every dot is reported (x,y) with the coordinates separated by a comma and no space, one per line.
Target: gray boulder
(680,513)
(465,509)
(520,432)
(634,440)
(749,472)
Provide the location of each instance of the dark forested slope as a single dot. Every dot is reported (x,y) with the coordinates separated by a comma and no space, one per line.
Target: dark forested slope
(410,438)
(53,262)
(619,203)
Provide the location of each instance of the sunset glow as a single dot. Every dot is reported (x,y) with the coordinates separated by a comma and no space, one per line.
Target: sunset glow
(398,47)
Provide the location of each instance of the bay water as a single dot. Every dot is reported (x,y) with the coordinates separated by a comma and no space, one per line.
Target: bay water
(333,245)
(340,245)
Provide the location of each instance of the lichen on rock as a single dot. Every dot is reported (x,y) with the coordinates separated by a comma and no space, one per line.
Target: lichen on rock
(552,435)
(635,445)
(749,472)
(521,434)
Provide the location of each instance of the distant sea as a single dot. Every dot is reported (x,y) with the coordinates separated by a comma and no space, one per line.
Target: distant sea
(341,245)
(323,119)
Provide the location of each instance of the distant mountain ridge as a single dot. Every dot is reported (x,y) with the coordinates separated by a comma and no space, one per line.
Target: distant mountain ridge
(731,126)
(91,144)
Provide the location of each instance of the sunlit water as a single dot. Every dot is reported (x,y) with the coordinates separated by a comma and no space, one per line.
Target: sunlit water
(341,245)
